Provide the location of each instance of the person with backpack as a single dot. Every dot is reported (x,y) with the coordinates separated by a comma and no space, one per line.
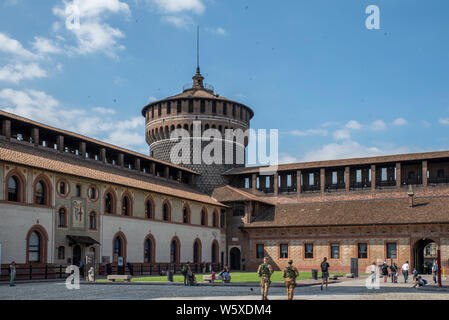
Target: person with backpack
(290,275)
(265,271)
(184,271)
(384,270)
(435,271)
(324,273)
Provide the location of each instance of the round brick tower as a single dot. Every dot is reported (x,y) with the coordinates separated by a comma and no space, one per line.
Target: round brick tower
(196,110)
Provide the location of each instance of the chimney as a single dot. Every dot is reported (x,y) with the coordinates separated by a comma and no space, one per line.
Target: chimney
(411,197)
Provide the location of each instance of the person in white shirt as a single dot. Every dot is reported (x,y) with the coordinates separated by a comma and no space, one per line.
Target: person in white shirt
(405,268)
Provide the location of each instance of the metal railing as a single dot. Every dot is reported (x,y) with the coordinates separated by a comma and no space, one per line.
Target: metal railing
(390,183)
(50,271)
(291,189)
(315,188)
(205,85)
(35,272)
(360,185)
(438,180)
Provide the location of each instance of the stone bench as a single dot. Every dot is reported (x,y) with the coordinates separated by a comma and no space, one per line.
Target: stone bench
(207,278)
(119,277)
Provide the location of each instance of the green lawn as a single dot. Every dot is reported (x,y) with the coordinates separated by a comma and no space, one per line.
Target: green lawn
(235,277)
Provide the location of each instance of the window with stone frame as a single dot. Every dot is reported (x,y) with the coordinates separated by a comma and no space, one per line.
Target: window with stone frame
(13,189)
(392,252)
(362,250)
(92,221)
(308,251)
(178,106)
(335,251)
(62,218)
(78,190)
(283,251)
(260,251)
(61,253)
(168,107)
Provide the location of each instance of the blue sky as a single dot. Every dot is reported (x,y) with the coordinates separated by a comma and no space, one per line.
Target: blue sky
(333,88)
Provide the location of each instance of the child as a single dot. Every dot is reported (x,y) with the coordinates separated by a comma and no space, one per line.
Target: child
(213,276)
(415,274)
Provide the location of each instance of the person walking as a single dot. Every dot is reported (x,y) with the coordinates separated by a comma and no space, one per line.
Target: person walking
(384,270)
(265,271)
(373,272)
(12,274)
(405,268)
(290,275)
(184,271)
(435,272)
(324,273)
(394,271)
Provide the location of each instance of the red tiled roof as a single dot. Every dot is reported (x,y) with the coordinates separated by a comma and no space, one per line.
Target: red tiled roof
(21,154)
(362,212)
(91,140)
(229,194)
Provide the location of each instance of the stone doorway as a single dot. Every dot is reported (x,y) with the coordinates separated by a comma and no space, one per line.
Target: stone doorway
(424,255)
(234,256)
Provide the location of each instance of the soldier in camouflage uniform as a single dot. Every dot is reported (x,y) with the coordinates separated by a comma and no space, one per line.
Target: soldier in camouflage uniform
(290,275)
(265,271)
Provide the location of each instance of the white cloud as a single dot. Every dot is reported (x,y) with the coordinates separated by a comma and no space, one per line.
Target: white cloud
(219,31)
(177,12)
(177,6)
(102,110)
(444,121)
(15,48)
(93,34)
(18,72)
(399,122)
(378,125)
(45,46)
(342,134)
(347,149)
(309,132)
(179,21)
(39,106)
(354,125)
(286,158)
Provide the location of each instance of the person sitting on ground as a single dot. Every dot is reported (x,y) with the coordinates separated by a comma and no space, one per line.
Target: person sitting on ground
(420,282)
(225,275)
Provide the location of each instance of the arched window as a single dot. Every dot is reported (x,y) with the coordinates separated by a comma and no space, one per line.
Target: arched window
(185,215)
(62,188)
(214,252)
(166,211)
(203,217)
(149,209)
(149,249)
(61,253)
(215,219)
(62,218)
(40,193)
(34,247)
(109,203)
(174,250)
(197,251)
(92,221)
(92,193)
(118,247)
(126,206)
(13,189)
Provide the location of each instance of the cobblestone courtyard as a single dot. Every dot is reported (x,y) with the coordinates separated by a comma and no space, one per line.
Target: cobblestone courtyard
(352,290)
